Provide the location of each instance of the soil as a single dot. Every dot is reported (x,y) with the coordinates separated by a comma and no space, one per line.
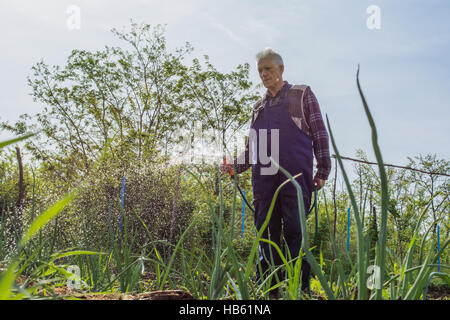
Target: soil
(438,293)
(154,295)
(64,292)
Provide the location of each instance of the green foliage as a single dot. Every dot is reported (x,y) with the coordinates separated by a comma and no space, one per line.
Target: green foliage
(127,105)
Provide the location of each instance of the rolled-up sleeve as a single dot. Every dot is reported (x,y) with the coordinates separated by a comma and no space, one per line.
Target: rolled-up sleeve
(319,134)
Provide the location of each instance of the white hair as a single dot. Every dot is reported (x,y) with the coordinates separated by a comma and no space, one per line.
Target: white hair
(269,53)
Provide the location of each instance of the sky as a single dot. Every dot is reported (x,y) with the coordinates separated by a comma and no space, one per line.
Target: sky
(404,64)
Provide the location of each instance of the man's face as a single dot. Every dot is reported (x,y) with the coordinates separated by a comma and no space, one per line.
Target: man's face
(269,72)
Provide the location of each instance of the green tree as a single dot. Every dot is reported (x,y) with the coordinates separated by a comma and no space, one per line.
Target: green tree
(221,102)
(126,96)
(432,183)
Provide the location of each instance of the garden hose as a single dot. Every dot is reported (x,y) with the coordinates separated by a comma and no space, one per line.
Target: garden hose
(231,173)
(313,206)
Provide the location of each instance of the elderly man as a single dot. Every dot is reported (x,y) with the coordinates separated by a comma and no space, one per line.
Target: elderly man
(287,123)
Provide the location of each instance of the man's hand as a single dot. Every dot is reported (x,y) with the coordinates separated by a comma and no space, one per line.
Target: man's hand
(226,167)
(319,183)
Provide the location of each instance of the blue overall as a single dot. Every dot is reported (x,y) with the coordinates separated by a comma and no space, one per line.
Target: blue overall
(295,155)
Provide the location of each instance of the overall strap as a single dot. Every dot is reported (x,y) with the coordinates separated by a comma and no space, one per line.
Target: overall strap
(285,98)
(296,93)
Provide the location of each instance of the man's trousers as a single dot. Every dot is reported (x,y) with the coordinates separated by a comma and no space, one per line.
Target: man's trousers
(285,218)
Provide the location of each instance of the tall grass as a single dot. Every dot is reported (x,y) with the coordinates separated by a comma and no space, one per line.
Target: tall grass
(225,274)
(407,288)
(411,281)
(24,254)
(12,271)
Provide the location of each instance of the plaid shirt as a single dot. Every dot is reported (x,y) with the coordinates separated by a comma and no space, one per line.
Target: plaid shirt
(308,119)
